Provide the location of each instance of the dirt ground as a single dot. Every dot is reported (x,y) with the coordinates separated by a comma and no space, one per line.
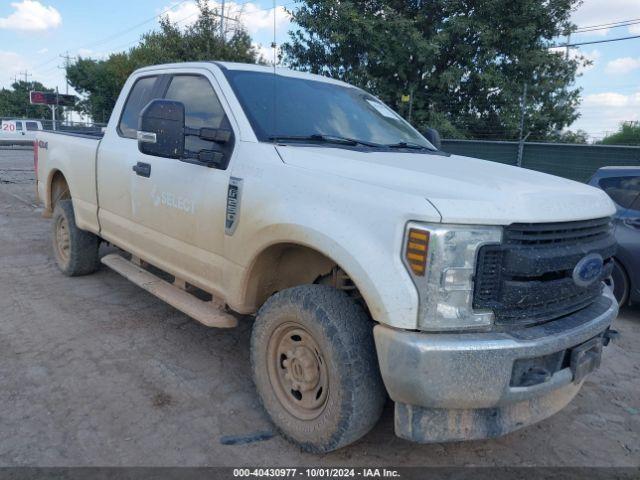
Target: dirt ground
(95,371)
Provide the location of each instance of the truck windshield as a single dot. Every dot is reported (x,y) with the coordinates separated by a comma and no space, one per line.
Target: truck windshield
(298,109)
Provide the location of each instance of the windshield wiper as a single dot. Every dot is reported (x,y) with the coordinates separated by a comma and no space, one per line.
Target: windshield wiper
(317,137)
(410,146)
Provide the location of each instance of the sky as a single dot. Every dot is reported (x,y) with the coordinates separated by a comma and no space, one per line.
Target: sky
(34,34)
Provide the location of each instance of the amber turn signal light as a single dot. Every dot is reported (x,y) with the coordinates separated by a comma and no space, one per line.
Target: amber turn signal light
(417,249)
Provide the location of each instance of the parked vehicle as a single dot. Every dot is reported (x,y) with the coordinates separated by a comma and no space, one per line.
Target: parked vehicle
(469,291)
(622,184)
(19,131)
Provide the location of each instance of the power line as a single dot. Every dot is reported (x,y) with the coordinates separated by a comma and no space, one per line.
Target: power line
(124,32)
(144,22)
(130,29)
(605,25)
(228,17)
(628,24)
(595,41)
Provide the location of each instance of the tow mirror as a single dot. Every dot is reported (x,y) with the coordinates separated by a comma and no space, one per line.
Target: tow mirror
(433,136)
(161,129)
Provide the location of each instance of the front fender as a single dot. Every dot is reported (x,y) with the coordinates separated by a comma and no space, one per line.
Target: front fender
(379,275)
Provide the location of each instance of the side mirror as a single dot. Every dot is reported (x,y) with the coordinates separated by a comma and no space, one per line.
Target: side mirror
(433,136)
(161,129)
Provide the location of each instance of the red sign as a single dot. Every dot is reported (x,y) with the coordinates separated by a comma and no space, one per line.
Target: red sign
(38,98)
(51,98)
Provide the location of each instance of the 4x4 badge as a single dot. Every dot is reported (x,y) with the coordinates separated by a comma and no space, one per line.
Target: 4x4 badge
(234,193)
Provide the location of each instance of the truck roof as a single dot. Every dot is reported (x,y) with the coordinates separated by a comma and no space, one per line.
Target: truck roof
(248,67)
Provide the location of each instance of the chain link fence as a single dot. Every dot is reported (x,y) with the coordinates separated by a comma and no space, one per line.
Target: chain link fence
(574,161)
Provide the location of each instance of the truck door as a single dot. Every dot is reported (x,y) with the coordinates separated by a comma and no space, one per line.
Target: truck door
(117,152)
(178,208)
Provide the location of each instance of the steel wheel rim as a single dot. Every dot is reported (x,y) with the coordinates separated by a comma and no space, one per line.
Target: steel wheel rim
(298,371)
(63,240)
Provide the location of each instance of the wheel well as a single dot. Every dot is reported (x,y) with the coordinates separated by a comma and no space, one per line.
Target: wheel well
(288,265)
(58,190)
(624,271)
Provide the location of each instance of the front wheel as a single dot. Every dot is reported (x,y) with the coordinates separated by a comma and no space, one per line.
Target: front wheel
(315,367)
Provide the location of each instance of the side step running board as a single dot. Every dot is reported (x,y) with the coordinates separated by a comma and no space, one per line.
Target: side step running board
(210,313)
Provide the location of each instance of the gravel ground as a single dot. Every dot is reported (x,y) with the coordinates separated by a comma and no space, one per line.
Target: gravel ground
(95,371)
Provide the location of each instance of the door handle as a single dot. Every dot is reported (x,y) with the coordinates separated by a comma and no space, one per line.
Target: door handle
(142,169)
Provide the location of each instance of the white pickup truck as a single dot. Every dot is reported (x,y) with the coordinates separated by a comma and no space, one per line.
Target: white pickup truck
(16,132)
(468,291)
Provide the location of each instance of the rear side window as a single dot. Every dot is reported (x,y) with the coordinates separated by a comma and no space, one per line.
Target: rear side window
(32,126)
(18,125)
(201,106)
(622,190)
(139,97)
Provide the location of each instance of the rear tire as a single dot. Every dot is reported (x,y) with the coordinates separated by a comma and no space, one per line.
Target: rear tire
(75,250)
(619,283)
(315,367)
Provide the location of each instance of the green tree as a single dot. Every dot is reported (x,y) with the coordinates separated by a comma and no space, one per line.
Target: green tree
(14,101)
(628,134)
(569,136)
(100,81)
(464,63)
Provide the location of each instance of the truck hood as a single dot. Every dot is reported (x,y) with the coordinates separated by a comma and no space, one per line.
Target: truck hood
(463,189)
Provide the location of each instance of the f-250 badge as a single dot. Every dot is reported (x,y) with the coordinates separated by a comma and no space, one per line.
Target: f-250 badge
(233,205)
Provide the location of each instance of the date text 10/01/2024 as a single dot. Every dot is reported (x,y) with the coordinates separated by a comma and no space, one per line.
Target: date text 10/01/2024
(317,472)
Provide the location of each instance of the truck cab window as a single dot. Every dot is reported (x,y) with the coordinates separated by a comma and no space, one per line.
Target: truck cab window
(140,96)
(31,126)
(201,105)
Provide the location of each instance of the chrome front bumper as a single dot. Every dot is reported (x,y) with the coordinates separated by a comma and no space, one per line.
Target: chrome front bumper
(459,386)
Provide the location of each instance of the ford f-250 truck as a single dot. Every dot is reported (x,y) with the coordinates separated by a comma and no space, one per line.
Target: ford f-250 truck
(468,291)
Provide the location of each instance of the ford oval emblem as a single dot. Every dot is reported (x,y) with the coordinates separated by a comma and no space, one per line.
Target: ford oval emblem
(588,270)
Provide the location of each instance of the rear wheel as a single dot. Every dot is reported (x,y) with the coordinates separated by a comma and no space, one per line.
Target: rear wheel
(619,283)
(315,367)
(75,250)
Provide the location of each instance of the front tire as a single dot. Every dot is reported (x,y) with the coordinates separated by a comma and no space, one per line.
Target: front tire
(315,367)
(75,250)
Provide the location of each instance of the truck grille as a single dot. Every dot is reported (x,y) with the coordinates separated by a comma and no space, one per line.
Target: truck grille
(528,280)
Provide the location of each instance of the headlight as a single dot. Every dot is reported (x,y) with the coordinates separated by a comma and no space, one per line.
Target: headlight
(441,260)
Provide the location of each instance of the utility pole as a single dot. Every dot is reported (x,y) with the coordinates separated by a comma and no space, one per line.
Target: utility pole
(222,20)
(566,51)
(522,137)
(67,62)
(26,75)
(53,111)
(26,80)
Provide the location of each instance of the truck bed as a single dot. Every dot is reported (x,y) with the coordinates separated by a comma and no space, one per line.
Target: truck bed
(77,133)
(74,154)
